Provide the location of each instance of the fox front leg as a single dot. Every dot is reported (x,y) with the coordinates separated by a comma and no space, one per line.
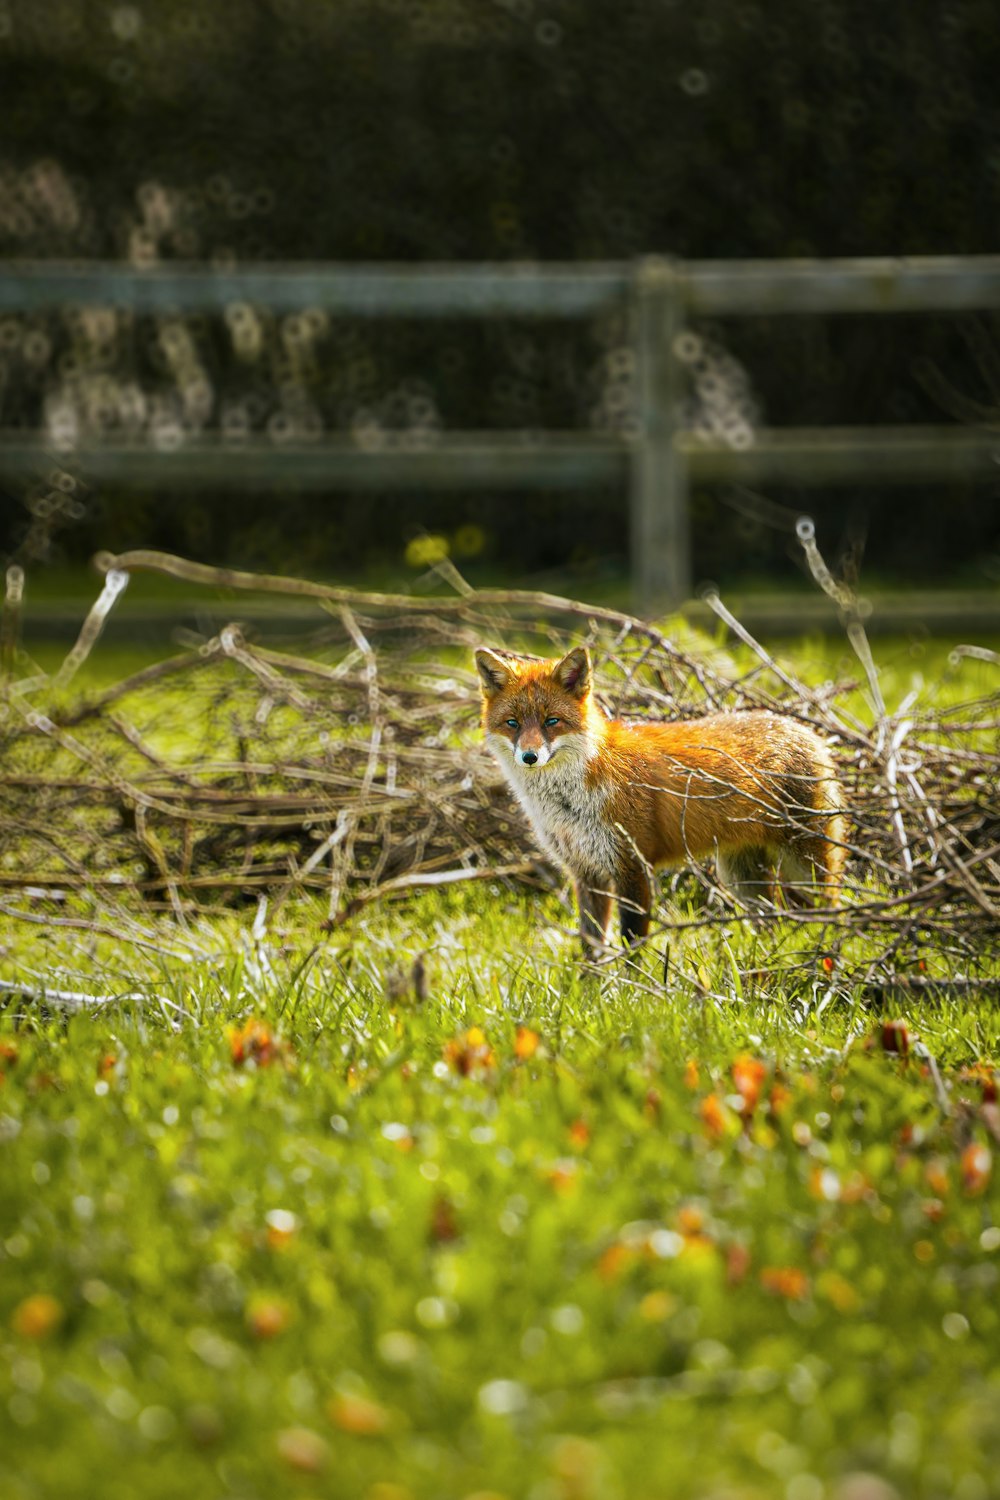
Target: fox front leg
(595,916)
(634,902)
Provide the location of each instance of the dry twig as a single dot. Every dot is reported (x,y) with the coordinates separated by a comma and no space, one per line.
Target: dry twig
(353,766)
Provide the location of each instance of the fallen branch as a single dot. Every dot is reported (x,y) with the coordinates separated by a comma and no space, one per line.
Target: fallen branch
(355,767)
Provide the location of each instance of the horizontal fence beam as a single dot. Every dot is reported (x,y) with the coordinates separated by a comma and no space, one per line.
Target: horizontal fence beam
(360,291)
(456,461)
(818,456)
(803,456)
(925,284)
(773,288)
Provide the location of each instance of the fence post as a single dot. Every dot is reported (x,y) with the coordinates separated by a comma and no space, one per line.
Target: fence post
(660,539)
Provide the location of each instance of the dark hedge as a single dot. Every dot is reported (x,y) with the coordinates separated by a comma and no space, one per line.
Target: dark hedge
(493,129)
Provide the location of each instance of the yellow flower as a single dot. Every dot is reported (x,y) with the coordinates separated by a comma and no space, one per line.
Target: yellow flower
(37,1316)
(425,551)
(469,541)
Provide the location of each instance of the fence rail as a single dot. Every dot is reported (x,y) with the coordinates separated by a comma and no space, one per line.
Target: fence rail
(360,291)
(707,288)
(656,465)
(807,456)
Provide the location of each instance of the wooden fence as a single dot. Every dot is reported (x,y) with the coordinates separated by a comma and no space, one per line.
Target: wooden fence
(655,466)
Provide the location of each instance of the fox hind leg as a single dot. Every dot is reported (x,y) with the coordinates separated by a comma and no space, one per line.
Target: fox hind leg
(795,876)
(816,863)
(748,873)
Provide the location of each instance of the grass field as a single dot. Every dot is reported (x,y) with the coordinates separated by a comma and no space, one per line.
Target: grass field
(424,1208)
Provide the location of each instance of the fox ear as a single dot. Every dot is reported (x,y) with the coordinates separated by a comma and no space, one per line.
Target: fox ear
(573,672)
(495,673)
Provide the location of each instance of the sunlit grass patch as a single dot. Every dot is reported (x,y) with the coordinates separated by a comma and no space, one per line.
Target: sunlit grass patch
(328,1185)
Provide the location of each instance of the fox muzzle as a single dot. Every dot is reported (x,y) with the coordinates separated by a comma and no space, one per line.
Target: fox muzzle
(532,755)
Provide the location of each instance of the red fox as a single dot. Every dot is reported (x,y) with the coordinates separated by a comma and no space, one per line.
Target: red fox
(612,801)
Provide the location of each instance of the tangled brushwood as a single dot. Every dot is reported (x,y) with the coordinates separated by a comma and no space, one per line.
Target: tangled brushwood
(352,767)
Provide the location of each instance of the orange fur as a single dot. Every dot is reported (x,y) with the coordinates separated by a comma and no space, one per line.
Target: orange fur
(614,801)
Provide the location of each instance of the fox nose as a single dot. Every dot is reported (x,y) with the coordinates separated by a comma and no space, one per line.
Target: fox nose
(532,754)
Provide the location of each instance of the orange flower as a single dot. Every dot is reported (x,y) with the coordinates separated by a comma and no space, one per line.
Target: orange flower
(268,1316)
(785,1281)
(827,962)
(37,1316)
(525,1043)
(690,1220)
(470,1054)
(895,1037)
(691,1073)
(779,1098)
(254,1042)
(977,1164)
(358,1415)
(748,1075)
(713,1115)
(614,1261)
(936,1177)
(579,1133)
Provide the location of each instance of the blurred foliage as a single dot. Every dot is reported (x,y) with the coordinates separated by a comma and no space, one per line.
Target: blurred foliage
(277,1222)
(482,129)
(458,129)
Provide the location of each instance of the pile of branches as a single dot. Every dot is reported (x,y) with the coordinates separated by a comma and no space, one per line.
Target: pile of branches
(353,767)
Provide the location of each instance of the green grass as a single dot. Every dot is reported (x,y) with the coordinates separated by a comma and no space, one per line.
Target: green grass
(271,1224)
(351,1268)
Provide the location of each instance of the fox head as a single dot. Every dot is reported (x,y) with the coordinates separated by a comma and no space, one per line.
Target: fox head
(536,711)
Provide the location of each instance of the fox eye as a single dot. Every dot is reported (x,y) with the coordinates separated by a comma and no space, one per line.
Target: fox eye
(511,723)
(550,722)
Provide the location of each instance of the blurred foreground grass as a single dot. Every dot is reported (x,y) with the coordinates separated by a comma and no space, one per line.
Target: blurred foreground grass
(273,1224)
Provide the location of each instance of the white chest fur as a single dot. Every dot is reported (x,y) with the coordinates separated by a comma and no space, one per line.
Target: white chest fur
(569,818)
